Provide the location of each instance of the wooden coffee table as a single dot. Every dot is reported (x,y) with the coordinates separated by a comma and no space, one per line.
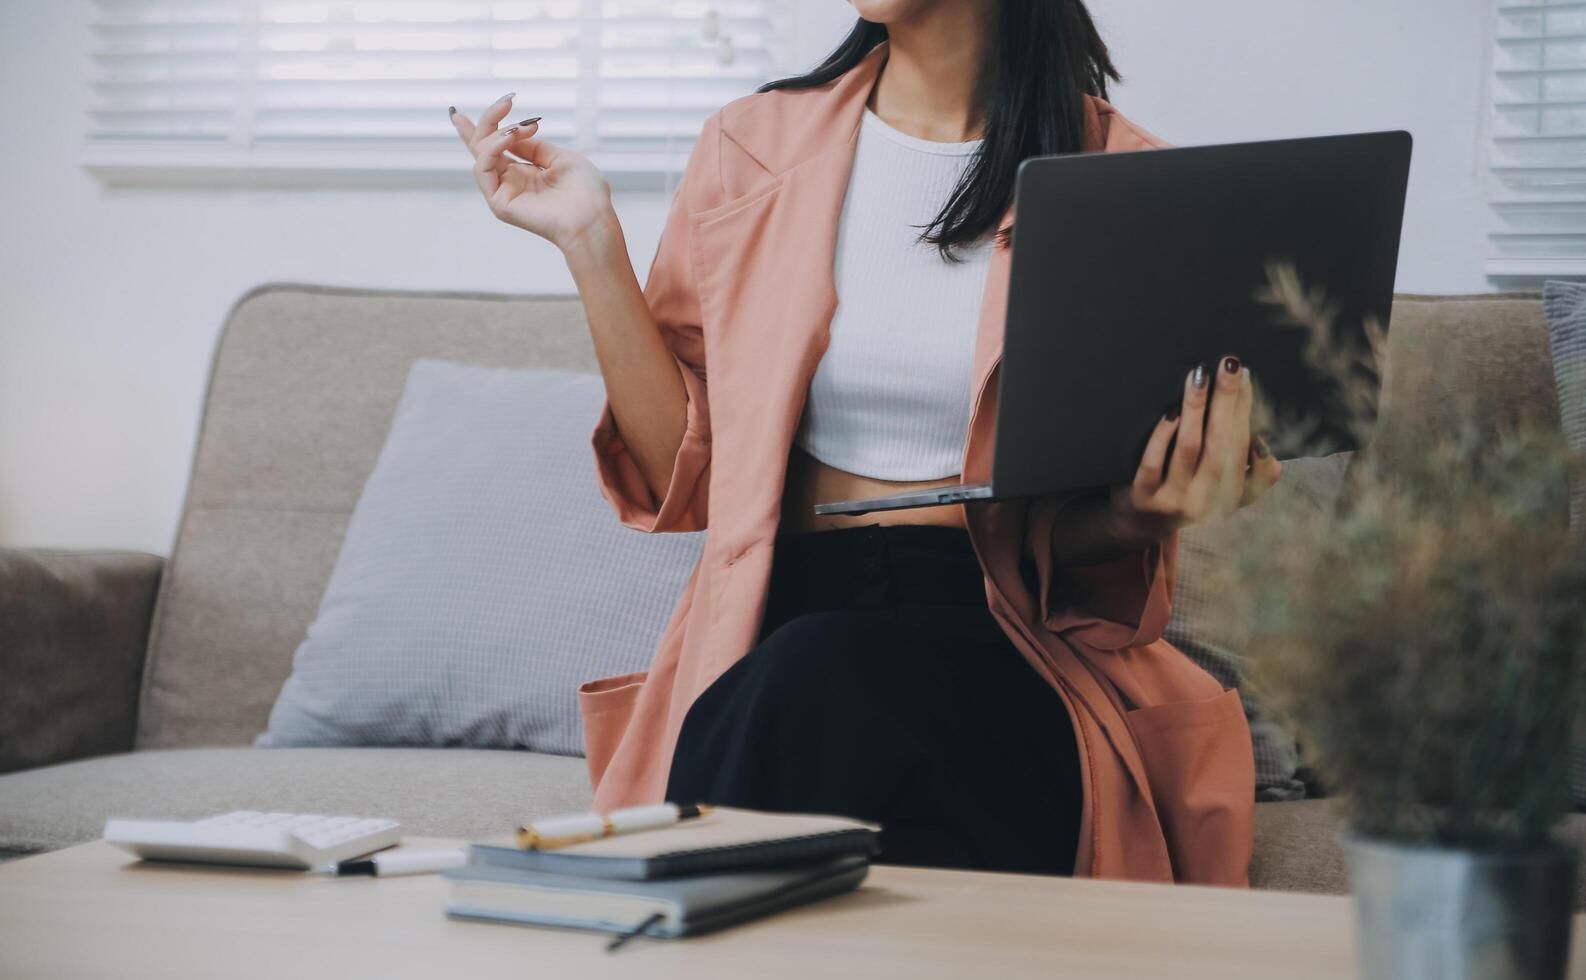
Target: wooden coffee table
(93,911)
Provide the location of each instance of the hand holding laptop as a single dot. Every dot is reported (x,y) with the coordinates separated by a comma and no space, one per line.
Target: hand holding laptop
(1201,463)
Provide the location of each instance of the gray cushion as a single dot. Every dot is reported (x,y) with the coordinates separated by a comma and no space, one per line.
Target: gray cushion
(300,401)
(1566,313)
(1565,303)
(482,578)
(1207,624)
(460,793)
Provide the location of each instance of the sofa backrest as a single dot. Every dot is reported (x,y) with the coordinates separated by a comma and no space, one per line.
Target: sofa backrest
(304,385)
(1452,355)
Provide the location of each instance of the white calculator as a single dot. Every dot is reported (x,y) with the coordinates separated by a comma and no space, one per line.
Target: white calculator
(270,840)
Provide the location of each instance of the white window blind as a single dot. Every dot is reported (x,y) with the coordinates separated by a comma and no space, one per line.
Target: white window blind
(199,90)
(1538,151)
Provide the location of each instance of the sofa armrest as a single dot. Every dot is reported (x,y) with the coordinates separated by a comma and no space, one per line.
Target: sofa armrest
(73,630)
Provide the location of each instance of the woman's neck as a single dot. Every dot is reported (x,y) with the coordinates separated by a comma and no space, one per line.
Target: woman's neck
(930,83)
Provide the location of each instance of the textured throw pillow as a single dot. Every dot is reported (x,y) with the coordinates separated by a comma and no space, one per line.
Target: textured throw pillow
(482,578)
(1565,304)
(1205,623)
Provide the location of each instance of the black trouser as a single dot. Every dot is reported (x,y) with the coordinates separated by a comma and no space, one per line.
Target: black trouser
(882,689)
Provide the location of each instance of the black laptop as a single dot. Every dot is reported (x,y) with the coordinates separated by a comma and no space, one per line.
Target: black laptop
(1131,268)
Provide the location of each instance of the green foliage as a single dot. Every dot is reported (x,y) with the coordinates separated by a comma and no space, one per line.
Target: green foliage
(1426,639)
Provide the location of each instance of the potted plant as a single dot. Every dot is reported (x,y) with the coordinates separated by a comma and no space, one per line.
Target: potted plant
(1426,640)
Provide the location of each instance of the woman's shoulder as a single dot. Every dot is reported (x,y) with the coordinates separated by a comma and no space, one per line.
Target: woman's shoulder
(777,130)
(781,128)
(1111,131)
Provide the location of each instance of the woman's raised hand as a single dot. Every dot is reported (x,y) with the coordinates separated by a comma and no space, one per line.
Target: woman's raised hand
(557,195)
(1201,463)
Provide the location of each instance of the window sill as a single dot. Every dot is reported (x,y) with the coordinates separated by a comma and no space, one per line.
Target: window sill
(365,167)
(1530,271)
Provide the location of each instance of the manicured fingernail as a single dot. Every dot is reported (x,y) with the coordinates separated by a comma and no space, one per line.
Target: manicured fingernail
(1261,449)
(1172,414)
(504,98)
(509,131)
(1198,377)
(1231,365)
(451,110)
(529,121)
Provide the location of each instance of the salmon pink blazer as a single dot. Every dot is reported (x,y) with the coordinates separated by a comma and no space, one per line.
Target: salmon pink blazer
(742,288)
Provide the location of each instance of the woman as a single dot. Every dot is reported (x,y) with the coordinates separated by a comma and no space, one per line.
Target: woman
(987,681)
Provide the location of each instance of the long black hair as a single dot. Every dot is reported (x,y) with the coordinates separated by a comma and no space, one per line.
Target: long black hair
(1045,57)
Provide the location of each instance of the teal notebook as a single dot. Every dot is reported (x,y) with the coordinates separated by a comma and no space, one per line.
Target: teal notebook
(664,908)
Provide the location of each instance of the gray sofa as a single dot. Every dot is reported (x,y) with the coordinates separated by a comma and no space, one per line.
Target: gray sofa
(134,686)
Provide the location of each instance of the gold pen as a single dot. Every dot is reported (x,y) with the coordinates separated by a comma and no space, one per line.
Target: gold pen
(554,832)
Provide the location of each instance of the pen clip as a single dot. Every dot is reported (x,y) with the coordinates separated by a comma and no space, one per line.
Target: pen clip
(530,839)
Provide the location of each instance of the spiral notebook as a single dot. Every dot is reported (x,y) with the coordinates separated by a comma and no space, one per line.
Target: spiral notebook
(725,839)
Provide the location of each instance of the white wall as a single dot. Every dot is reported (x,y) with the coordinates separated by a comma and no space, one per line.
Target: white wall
(110,301)
(1218,70)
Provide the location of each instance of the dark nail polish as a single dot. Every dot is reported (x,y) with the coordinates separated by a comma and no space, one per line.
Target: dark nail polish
(1261,449)
(451,110)
(1198,379)
(1172,414)
(529,121)
(510,130)
(1231,365)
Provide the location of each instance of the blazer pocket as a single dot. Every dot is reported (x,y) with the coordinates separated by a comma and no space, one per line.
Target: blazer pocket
(606,705)
(1201,767)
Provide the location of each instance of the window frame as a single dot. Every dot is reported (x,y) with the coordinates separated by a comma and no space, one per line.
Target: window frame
(1511,194)
(241,162)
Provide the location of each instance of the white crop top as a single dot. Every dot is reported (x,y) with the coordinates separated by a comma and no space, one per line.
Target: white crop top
(890,399)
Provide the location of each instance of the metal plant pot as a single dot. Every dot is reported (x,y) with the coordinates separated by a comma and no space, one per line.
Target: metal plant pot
(1435,913)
